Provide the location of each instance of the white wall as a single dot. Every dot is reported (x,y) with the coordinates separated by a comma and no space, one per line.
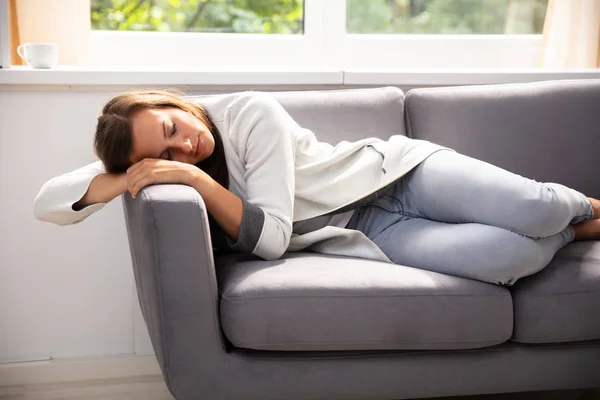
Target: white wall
(64,291)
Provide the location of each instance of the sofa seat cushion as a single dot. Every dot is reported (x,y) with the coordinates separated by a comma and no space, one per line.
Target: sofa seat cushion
(561,303)
(310,301)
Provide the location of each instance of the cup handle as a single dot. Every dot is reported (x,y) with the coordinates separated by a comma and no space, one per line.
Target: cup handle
(21,54)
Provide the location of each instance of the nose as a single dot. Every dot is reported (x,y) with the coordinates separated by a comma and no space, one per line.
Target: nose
(184,145)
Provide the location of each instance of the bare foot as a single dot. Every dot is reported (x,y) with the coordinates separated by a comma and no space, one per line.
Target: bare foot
(595,206)
(589,230)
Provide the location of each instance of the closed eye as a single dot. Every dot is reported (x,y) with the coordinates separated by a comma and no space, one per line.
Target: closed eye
(173,131)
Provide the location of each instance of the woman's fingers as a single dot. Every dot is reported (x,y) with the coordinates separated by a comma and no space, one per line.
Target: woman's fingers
(135,167)
(139,184)
(137,187)
(145,177)
(151,171)
(140,175)
(138,180)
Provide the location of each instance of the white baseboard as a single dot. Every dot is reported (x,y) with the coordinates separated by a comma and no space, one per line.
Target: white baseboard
(53,371)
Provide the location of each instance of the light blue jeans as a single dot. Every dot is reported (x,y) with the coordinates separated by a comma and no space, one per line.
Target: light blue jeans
(461,216)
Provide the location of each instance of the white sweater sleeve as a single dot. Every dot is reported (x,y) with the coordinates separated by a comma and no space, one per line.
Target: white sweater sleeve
(54,202)
(264,136)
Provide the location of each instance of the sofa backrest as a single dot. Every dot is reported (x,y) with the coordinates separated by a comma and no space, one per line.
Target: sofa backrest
(344,114)
(350,114)
(547,131)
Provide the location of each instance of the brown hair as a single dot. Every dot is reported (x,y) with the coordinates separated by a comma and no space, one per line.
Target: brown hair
(113,142)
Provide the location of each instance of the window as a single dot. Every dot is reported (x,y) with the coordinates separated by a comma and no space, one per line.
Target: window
(336,34)
(212,33)
(446,16)
(443,33)
(287,16)
(311,34)
(4,42)
(208,16)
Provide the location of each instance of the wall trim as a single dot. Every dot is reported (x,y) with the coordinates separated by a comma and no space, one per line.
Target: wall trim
(4,36)
(54,371)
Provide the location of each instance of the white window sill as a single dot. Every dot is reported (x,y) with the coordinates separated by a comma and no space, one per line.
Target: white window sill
(168,76)
(463,76)
(131,76)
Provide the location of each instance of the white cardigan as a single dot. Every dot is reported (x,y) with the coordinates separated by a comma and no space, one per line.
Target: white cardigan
(281,173)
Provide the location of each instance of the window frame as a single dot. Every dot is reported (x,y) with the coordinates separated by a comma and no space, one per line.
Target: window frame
(324,45)
(232,50)
(4,38)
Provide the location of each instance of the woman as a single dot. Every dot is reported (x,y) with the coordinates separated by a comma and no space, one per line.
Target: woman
(269,187)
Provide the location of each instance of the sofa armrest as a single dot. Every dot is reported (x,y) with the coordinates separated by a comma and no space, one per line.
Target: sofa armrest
(170,244)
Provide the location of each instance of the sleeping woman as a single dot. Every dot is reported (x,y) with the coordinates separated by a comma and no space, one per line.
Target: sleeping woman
(270,187)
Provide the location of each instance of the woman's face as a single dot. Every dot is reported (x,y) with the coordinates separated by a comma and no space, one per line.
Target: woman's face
(170,134)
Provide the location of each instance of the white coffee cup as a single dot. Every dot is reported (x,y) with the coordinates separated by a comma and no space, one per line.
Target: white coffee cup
(39,55)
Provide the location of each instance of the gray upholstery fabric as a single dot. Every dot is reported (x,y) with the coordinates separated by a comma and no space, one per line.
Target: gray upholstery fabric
(548,131)
(169,240)
(353,114)
(185,298)
(562,302)
(319,302)
(394,374)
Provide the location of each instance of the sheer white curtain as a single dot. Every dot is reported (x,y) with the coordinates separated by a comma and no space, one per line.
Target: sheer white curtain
(66,22)
(571,34)
(13,33)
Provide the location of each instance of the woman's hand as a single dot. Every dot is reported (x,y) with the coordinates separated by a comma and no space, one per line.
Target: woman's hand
(151,171)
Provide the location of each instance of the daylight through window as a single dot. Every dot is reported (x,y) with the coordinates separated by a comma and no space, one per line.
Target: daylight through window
(446,16)
(208,16)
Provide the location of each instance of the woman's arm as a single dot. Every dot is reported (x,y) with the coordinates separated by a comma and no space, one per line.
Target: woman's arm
(264,136)
(103,189)
(225,207)
(56,199)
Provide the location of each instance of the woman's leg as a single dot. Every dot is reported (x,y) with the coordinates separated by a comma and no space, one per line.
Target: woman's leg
(470,250)
(452,187)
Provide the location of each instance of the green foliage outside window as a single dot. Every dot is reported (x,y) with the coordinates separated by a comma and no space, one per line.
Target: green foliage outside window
(213,16)
(287,16)
(446,16)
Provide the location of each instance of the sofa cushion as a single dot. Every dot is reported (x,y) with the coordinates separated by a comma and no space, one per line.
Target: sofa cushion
(561,303)
(309,301)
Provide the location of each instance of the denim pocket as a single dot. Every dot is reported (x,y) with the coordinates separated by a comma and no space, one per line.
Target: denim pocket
(388,203)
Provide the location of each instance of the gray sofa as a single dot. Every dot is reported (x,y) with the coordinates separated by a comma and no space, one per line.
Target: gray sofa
(311,326)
